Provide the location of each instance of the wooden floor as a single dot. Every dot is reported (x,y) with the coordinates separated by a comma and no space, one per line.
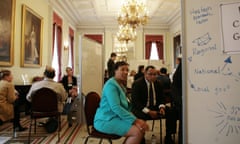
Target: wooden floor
(74,135)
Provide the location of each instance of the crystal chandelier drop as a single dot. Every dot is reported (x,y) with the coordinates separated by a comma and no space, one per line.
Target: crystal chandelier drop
(126,34)
(133,13)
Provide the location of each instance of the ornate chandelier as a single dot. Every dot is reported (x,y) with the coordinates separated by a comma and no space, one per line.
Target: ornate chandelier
(126,33)
(133,13)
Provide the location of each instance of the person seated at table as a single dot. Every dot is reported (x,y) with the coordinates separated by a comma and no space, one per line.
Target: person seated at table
(9,101)
(148,100)
(73,93)
(68,80)
(48,82)
(113,115)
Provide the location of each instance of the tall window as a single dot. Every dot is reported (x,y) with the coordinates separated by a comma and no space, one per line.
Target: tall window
(70,52)
(57,46)
(70,63)
(154,47)
(55,56)
(154,53)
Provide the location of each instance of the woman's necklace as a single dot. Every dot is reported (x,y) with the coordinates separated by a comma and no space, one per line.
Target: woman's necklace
(125,91)
(124,88)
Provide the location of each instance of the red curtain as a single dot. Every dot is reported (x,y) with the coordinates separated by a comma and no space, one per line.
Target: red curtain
(160,49)
(57,21)
(59,48)
(53,38)
(71,36)
(148,46)
(96,37)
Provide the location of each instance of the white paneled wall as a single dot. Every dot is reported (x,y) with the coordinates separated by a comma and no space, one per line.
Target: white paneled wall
(92,68)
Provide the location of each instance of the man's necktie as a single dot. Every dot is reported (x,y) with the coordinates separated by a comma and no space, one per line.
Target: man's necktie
(151,95)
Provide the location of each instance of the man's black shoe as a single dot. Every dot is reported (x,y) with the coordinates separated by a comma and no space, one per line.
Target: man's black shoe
(143,141)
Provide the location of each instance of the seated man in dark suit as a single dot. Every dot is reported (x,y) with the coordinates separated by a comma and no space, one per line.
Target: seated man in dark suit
(166,83)
(148,100)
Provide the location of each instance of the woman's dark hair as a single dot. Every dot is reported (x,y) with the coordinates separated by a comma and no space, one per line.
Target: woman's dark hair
(4,73)
(120,63)
(140,68)
(49,72)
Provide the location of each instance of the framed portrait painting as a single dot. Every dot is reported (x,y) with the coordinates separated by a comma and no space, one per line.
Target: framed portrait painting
(7,17)
(32,27)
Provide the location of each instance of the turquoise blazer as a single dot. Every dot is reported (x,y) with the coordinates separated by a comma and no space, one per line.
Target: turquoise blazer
(114,114)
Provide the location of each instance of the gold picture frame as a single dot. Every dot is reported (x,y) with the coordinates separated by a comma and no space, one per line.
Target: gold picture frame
(32,29)
(7,23)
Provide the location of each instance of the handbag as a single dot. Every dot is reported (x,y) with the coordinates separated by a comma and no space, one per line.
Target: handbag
(51,125)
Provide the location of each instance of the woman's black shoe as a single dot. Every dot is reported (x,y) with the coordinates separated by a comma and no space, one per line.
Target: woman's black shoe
(20,128)
(69,125)
(1,122)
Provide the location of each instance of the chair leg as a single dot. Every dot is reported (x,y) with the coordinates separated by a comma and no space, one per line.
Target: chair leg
(160,130)
(153,125)
(60,123)
(35,125)
(29,134)
(59,127)
(85,142)
(110,141)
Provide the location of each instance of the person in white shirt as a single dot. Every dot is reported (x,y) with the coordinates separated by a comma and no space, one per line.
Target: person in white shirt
(48,82)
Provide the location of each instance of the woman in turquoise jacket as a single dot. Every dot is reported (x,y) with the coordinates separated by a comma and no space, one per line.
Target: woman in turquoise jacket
(114,115)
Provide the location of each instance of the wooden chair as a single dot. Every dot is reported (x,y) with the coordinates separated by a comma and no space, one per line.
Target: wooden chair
(91,104)
(167,93)
(44,104)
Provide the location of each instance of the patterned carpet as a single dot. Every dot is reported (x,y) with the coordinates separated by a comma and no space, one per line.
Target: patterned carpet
(74,135)
(68,135)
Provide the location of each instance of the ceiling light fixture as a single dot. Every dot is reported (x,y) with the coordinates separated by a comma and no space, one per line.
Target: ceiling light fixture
(126,34)
(133,13)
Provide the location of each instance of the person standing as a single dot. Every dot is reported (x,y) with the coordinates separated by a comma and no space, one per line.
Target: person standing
(113,115)
(9,101)
(110,64)
(177,95)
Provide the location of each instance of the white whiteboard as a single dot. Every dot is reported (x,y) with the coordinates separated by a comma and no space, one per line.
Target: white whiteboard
(92,68)
(211,77)
(230,25)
